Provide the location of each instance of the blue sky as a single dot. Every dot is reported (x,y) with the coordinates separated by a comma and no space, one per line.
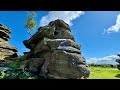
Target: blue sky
(98,32)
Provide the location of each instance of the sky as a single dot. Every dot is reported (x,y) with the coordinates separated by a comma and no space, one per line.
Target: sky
(98,32)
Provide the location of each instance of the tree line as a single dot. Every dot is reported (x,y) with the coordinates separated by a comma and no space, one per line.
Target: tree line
(103,65)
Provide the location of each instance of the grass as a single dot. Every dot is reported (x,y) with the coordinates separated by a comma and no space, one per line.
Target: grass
(104,73)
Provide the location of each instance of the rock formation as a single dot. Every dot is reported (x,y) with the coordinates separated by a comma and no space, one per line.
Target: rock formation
(118,61)
(6,50)
(54,53)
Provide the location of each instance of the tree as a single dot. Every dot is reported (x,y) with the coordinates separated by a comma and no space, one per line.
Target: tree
(30,22)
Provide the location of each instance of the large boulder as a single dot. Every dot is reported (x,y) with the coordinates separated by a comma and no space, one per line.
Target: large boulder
(6,50)
(62,64)
(55,54)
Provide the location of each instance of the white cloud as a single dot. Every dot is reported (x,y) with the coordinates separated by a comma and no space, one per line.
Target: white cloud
(116,27)
(67,16)
(106,60)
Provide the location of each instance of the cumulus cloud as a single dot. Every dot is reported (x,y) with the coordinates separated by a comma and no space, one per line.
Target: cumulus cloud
(114,28)
(67,16)
(104,60)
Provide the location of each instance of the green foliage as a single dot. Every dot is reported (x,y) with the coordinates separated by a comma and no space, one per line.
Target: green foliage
(13,65)
(16,75)
(3,74)
(18,70)
(19,75)
(30,21)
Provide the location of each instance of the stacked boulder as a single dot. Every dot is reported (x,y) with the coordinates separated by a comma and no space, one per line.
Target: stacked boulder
(54,53)
(6,50)
(118,61)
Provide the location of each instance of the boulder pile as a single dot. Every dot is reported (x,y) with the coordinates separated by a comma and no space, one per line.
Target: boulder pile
(55,54)
(6,50)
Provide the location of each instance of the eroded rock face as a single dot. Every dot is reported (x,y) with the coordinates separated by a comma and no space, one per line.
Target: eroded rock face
(58,56)
(6,50)
(118,61)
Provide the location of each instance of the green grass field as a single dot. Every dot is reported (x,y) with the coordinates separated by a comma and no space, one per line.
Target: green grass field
(104,73)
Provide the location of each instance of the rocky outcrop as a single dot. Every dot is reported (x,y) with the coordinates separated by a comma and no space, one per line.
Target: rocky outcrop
(6,50)
(54,53)
(118,61)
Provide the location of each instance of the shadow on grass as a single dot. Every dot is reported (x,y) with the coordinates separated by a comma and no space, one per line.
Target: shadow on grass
(118,76)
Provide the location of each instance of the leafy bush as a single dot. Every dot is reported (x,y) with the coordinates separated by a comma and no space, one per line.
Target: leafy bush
(3,74)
